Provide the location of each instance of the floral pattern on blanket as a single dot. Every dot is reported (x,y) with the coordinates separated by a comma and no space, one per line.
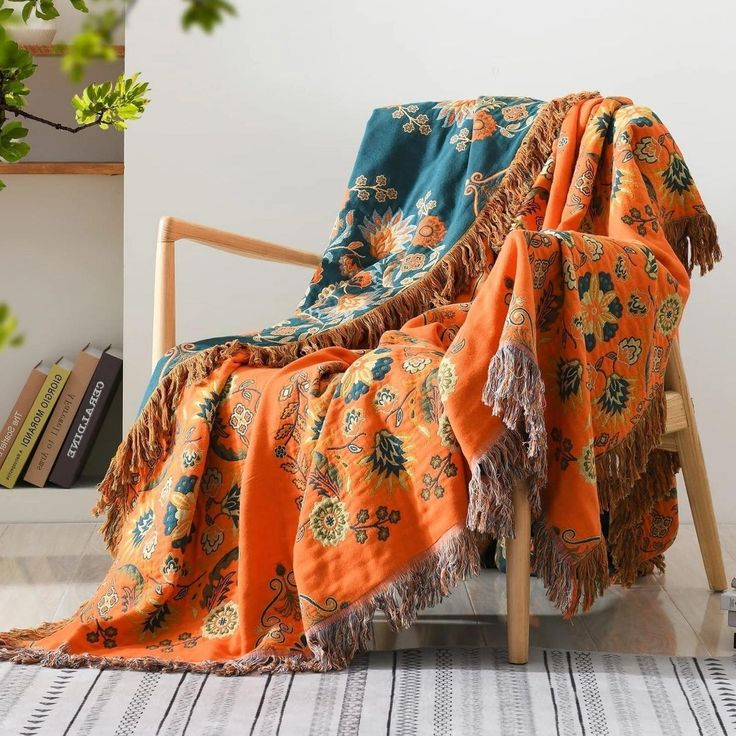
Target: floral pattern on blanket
(267,503)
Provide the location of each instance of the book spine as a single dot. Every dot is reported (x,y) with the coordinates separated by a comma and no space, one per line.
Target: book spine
(87,422)
(33,425)
(60,421)
(9,429)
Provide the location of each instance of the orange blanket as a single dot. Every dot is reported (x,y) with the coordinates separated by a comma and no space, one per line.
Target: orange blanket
(270,498)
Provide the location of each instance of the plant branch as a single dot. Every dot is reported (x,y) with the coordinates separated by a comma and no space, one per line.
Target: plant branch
(59,126)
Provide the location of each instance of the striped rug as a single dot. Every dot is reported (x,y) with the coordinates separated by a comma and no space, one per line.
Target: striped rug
(431,691)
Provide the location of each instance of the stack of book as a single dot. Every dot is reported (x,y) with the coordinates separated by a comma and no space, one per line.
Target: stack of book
(51,428)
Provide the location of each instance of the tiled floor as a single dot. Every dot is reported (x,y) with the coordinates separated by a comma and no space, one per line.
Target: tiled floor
(46,570)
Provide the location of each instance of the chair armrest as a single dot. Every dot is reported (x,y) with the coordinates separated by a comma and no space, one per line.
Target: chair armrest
(171,230)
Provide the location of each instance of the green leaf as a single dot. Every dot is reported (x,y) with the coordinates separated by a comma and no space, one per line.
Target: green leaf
(46,10)
(9,335)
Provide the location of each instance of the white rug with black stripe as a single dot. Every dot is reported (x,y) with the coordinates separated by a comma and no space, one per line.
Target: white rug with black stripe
(431,691)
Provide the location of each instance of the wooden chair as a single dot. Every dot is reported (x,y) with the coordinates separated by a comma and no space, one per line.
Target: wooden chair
(681,433)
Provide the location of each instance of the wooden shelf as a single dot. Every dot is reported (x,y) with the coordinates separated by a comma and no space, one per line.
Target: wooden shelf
(59,49)
(93,168)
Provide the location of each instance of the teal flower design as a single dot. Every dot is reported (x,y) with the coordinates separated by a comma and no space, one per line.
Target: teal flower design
(676,175)
(388,457)
(569,376)
(615,396)
(355,391)
(670,311)
(600,308)
(142,525)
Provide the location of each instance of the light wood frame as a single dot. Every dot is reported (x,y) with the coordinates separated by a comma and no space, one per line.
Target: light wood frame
(681,432)
(171,230)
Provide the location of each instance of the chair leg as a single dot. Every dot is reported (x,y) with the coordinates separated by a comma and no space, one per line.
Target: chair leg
(518,552)
(696,478)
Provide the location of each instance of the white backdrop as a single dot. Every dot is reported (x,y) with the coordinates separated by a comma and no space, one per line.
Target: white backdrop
(255,129)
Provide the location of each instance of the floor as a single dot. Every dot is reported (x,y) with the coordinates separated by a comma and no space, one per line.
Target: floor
(47,570)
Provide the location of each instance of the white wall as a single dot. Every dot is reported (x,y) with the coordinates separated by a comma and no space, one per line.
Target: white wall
(61,271)
(61,240)
(255,129)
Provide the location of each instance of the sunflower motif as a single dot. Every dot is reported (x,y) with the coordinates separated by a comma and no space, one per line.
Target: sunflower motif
(670,311)
(600,308)
(329,521)
(221,622)
(484,125)
(388,232)
(430,231)
(455,112)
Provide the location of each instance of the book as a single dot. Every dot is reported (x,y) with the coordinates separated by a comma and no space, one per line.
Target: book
(61,418)
(87,422)
(32,427)
(10,427)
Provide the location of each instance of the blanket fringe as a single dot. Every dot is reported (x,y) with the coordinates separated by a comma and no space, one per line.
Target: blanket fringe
(515,392)
(652,486)
(151,433)
(149,437)
(490,509)
(695,241)
(424,583)
(572,582)
(333,643)
(620,467)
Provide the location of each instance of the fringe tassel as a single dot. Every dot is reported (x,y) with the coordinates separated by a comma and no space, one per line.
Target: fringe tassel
(151,433)
(619,468)
(149,438)
(260,661)
(648,567)
(423,583)
(571,582)
(626,517)
(515,392)
(490,510)
(695,241)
